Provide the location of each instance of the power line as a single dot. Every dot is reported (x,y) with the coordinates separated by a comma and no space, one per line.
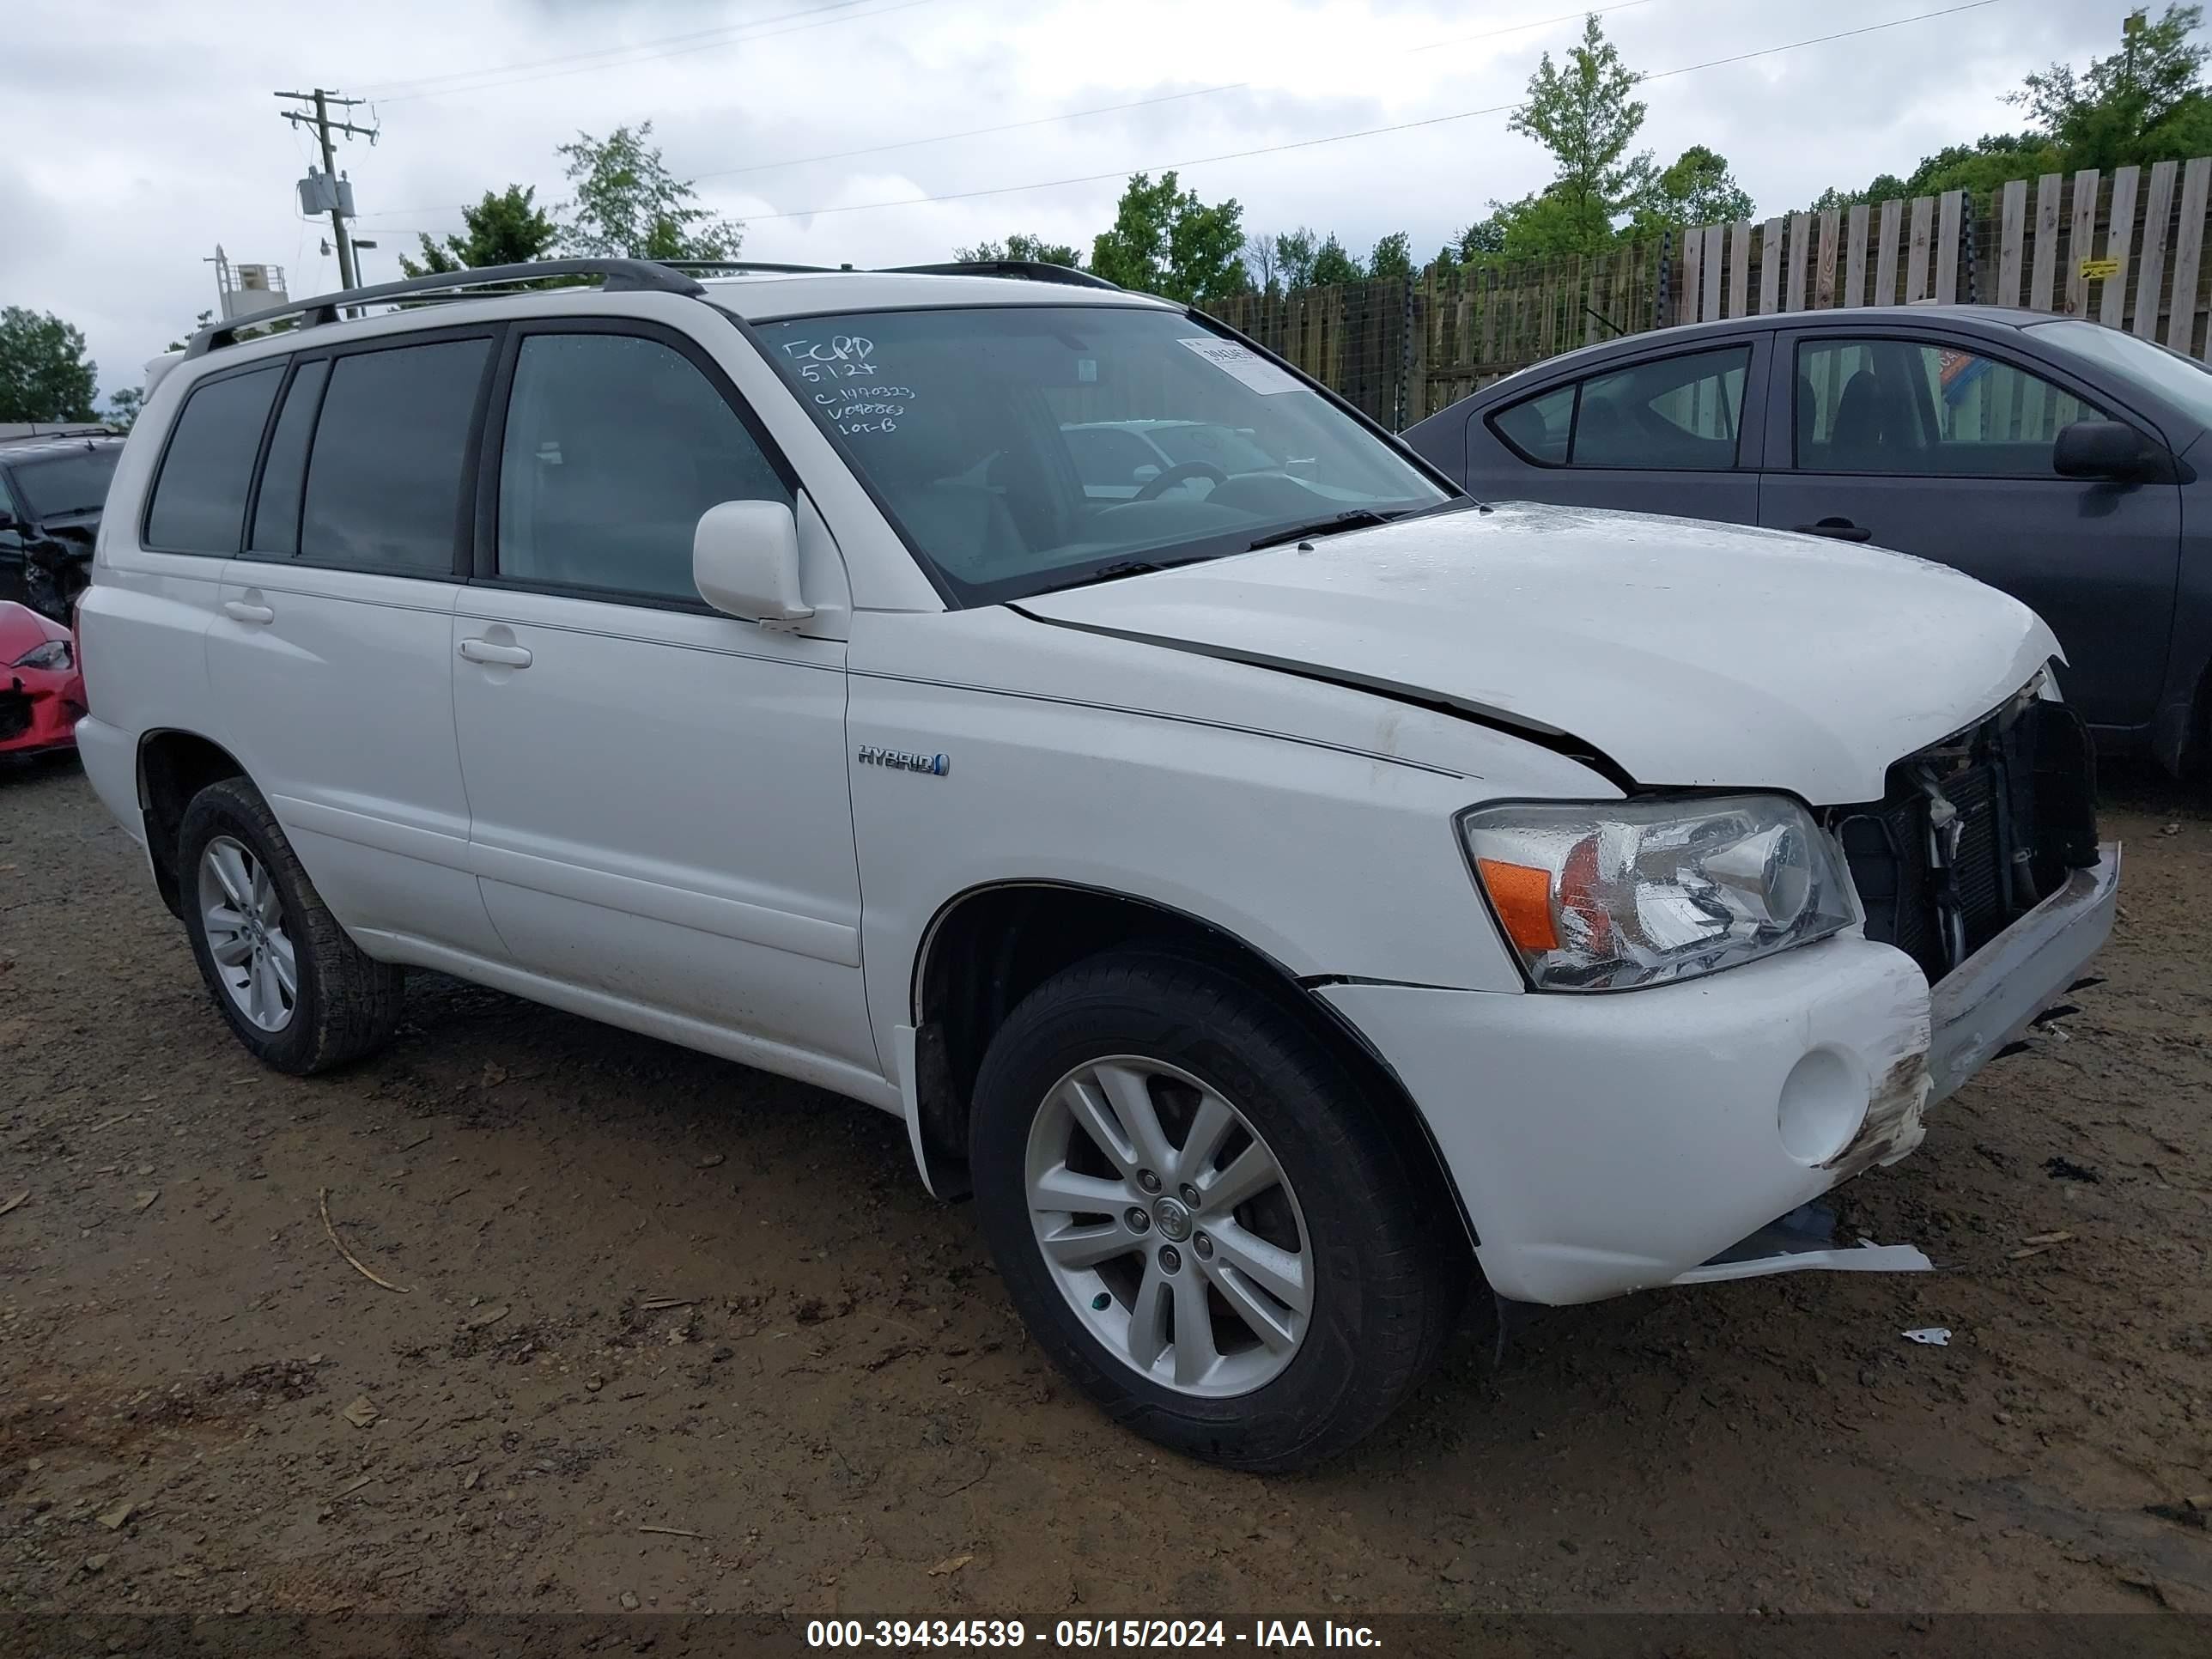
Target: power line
(1136,103)
(1342,137)
(736,34)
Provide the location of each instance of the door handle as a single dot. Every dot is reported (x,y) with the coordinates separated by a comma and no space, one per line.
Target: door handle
(1839,530)
(498,656)
(240,611)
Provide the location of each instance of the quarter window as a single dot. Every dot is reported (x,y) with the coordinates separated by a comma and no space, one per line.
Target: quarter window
(1539,427)
(199,502)
(391,454)
(1674,414)
(285,474)
(614,447)
(1924,410)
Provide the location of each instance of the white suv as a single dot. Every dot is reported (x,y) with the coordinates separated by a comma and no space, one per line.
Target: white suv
(1285,898)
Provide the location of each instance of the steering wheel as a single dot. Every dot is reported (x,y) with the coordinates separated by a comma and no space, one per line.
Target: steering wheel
(1176,474)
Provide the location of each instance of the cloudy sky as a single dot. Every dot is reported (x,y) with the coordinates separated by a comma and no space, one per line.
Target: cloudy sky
(143,131)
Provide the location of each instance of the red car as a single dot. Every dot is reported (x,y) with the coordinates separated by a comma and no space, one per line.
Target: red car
(41,692)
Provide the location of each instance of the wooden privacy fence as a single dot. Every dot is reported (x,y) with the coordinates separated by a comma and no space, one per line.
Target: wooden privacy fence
(2125,248)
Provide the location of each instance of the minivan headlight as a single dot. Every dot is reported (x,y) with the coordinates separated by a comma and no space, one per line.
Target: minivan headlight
(1607,895)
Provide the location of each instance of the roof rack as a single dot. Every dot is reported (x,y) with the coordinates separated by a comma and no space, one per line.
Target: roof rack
(710,266)
(616,276)
(48,431)
(1028,270)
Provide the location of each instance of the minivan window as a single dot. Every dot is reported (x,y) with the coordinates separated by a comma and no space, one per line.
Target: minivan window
(614,447)
(285,474)
(958,421)
(68,484)
(391,453)
(199,502)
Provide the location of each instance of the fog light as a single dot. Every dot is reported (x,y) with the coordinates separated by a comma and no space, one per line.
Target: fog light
(1824,1102)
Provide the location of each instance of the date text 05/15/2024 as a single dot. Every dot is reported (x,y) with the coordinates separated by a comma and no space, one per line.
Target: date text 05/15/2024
(1263,1635)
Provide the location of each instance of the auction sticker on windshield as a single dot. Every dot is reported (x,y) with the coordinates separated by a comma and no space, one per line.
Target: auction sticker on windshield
(1244,364)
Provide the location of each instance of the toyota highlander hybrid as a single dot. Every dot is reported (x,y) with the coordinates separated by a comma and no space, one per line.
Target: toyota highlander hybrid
(1288,894)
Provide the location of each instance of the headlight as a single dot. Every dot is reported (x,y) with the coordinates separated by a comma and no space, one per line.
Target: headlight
(54,653)
(1604,896)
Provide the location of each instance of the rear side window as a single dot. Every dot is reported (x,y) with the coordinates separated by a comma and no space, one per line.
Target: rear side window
(390,458)
(614,447)
(1538,427)
(199,501)
(1676,414)
(285,474)
(1670,414)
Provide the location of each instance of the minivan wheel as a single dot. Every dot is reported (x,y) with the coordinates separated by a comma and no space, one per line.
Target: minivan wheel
(299,994)
(1197,1211)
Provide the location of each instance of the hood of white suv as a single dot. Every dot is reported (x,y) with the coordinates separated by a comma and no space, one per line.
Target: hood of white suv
(1687,654)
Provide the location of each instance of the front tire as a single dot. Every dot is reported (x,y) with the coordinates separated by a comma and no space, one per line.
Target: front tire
(298,992)
(1199,1212)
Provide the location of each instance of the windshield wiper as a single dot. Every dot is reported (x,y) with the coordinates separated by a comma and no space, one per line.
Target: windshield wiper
(1127,567)
(1360,518)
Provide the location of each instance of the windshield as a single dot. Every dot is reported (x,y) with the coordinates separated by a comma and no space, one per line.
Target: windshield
(2179,379)
(75,481)
(1024,447)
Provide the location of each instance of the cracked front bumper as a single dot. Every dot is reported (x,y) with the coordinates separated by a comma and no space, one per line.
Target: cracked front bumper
(1606,1143)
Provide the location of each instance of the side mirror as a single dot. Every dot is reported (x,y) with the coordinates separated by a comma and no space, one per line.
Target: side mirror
(1146,474)
(744,561)
(2104,449)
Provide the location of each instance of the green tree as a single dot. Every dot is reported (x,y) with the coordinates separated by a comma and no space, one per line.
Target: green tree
(1584,112)
(1167,241)
(44,372)
(1483,240)
(1697,190)
(1549,222)
(2144,103)
(626,202)
(1331,265)
(1295,251)
(507,229)
(124,404)
(1393,259)
(1033,249)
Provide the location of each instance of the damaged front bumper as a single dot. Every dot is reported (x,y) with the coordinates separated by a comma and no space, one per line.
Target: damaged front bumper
(1606,1143)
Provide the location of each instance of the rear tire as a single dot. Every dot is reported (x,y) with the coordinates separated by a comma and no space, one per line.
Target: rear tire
(1261,1314)
(297,992)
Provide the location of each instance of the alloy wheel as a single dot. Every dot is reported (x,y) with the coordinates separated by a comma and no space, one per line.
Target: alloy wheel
(242,915)
(1170,1226)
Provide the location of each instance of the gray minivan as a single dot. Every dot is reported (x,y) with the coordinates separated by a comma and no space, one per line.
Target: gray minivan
(2052,457)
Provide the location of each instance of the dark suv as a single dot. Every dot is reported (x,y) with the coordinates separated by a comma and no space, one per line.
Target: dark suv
(54,484)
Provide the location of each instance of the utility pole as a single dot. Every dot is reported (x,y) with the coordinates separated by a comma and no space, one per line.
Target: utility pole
(332,194)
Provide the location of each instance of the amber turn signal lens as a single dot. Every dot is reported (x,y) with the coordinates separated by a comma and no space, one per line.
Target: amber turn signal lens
(1522,897)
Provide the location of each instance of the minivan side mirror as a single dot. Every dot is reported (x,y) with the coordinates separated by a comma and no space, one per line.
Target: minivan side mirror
(2104,449)
(744,561)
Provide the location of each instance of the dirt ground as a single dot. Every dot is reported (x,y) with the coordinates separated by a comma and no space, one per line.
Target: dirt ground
(646,1290)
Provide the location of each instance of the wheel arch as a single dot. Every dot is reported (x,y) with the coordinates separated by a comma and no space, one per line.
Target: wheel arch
(987,947)
(173,766)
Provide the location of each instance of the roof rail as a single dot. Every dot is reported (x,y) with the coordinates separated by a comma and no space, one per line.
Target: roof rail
(710,266)
(1028,271)
(616,276)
